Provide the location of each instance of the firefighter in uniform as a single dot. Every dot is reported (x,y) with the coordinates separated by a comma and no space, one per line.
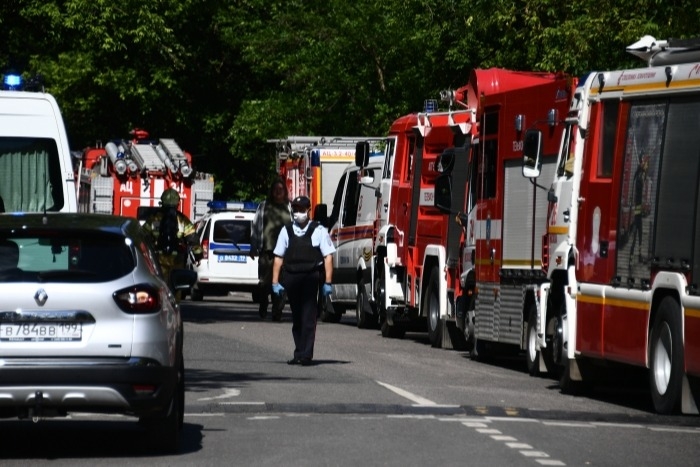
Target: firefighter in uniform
(173,233)
(271,215)
(304,249)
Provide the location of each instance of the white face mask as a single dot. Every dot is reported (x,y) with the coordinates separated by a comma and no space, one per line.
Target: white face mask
(301,217)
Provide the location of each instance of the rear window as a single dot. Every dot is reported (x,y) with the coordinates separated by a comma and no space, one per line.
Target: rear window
(64,257)
(232,231)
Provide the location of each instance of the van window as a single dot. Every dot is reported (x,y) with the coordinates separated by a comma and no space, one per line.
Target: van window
(30,175)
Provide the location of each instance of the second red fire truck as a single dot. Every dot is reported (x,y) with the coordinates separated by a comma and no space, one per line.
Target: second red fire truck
(428,268)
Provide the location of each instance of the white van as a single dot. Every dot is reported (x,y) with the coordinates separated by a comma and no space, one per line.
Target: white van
(352,223)
(224,233)
(36,170)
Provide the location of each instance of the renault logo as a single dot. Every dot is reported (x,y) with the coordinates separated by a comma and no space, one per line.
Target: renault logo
(40,297)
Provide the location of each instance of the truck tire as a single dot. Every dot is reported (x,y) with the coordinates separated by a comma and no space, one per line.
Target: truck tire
(666,357)
(532,355)
(363,310)
(431,303)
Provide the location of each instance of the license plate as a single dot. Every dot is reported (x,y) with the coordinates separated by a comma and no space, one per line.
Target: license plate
(41,332)
(233,258)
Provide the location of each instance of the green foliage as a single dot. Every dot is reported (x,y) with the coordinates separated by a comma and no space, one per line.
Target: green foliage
(224,76)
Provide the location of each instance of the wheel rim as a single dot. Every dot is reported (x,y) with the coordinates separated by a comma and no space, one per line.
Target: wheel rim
(434,312)
(663,356)
(531,343)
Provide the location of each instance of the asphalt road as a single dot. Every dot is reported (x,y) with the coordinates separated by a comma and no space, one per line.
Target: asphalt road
(367,400)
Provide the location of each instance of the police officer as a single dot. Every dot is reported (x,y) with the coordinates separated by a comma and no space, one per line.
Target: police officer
(304,250)
(172,233)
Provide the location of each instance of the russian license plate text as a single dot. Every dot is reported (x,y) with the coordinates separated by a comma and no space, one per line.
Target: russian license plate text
(232,258)
(39,332)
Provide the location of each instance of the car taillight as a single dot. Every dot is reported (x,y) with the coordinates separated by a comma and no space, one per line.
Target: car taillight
(205,249)
(142,298)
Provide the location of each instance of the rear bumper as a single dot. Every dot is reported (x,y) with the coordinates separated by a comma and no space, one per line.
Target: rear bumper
(210,283)
(135,386)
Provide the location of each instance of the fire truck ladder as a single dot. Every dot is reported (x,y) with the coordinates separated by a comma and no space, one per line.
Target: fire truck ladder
(147,158)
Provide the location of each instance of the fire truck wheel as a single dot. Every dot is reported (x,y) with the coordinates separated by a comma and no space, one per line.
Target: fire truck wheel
(666,357)
(531,352)
(392,332)
(431,304)
(547,353)
(363,310)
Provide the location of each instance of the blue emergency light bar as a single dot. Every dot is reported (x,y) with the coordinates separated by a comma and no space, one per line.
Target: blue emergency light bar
(430,105)
(11,82)
(220,206)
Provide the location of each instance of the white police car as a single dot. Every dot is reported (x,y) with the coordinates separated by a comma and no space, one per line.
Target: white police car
(226,266)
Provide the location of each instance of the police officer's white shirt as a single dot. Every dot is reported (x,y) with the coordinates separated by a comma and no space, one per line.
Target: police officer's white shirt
(319,238)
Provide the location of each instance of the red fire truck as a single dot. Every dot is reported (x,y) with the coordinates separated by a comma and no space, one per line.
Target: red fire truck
(128,177)
(313,165)
(467,162)
(622,247)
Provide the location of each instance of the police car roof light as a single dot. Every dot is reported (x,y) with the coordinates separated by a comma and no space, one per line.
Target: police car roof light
(12,82)
(218,205)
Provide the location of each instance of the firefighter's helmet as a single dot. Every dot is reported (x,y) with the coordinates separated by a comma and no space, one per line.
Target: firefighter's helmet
(170,198)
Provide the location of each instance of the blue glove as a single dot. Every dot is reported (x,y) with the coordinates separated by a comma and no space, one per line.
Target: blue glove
(277,289)
(326,290)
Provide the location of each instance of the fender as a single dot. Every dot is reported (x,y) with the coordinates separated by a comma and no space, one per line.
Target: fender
(436,253)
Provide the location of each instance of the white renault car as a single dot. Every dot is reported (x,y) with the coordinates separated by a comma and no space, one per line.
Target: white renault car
(226,266)
(88,324)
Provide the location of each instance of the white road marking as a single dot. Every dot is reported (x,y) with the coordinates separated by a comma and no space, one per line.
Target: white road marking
(488,431)
(475,424)
(676,430)
(420,401)
(241,403)
(228,392)
(503,438)
(518,446)
(569,424)
(549,462)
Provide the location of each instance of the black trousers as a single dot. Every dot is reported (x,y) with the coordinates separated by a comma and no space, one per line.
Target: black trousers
(302,295)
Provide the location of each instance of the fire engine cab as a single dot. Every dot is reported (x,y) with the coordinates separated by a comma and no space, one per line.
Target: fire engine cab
(127,178)
(622,245)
